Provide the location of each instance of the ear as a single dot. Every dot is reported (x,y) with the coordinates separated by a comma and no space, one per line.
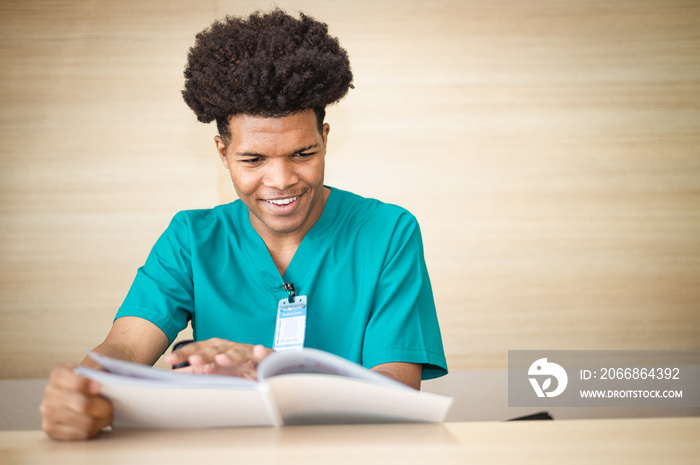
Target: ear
(221,148)
(324,134)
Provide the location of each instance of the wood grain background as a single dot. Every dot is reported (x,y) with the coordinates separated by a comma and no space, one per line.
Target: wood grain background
(550,150)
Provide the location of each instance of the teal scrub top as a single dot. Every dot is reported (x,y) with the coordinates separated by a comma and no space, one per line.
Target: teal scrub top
(361,267)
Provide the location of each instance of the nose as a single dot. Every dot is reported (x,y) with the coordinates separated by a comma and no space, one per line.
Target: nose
(280,174)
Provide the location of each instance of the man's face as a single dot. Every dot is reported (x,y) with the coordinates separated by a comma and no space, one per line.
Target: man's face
(277,167)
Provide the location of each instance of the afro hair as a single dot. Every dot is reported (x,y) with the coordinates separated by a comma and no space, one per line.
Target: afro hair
(268,65)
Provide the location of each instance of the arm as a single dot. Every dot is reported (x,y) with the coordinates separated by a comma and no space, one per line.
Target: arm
(406,373)
(403,327)
(72,407)
(132,339)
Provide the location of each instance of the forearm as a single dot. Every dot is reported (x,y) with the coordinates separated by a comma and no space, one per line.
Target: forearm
(407,373)
(134,340)
(110,349)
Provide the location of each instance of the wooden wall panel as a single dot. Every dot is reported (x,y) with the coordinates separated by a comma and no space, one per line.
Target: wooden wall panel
(97,154)
(549,149)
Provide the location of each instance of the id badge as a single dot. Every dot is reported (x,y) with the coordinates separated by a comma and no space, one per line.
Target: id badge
(291,325)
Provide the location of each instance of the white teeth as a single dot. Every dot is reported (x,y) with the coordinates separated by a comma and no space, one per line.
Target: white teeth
(282,201)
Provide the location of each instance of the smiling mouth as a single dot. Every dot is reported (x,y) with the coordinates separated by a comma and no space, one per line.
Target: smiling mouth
(282,202)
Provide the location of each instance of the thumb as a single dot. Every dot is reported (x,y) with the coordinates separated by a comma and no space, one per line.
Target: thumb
(260,352)
(94,387)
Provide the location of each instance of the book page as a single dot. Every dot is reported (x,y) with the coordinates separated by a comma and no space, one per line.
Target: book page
(173,378)
(312,361)
(322,399)
(146,397)
(141,403)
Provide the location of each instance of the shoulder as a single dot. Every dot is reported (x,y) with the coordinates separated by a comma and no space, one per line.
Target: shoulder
(368,210)
(207,217)
(204,225)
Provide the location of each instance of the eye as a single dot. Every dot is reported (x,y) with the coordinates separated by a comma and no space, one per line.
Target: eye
(304,154)
(252,161)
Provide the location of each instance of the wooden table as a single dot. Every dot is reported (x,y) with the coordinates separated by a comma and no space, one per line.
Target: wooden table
(662,440)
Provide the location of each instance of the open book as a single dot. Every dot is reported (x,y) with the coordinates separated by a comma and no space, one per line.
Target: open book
(305,387)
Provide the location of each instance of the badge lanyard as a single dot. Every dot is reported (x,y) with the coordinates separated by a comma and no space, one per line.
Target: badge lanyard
(291,322)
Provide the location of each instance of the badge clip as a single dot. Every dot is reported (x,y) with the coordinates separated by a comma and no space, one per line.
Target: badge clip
(289,287)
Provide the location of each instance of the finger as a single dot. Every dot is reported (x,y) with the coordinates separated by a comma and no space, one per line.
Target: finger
(199,352)
(208,369)
(79,401)
(245,356)
(180,355)
(63,415)
(66,432)
(208,353)
(223,352)
(187,369)
(253,354)
(64,376)
(260,352)
(101,410)
(74,427)
(235,354)
(241,371)
(60,421)
(176,358)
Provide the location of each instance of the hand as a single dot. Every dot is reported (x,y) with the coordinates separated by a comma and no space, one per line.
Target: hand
(72,408)
(220,356)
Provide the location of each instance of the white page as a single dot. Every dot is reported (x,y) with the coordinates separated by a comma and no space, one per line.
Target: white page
(145,372)
(209,401)
(319,362)
(316,398)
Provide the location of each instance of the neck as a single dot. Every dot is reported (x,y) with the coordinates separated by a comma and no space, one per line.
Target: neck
(283,246)
(282,256)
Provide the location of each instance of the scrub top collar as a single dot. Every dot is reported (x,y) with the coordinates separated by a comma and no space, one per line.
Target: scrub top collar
(305,257)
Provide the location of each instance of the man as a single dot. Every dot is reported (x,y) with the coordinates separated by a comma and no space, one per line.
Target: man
(356,265)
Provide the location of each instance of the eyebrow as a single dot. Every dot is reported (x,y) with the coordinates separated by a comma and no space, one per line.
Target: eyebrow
(255,154)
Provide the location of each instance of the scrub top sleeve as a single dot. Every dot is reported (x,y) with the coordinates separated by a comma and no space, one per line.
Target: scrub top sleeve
(162,291)
(403,325)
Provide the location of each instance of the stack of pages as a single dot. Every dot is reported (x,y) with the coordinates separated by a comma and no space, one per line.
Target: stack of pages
(305,387)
